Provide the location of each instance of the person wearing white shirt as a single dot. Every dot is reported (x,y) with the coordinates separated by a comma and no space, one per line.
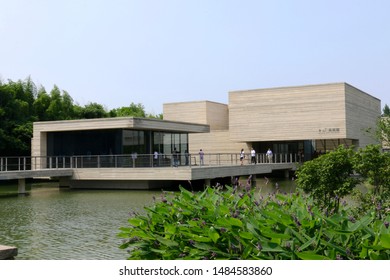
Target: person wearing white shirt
(253,156)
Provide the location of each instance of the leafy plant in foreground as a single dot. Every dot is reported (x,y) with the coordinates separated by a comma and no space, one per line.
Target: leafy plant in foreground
(241,224)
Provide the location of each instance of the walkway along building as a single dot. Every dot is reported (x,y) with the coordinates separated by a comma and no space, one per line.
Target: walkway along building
(297,121)
(101,150)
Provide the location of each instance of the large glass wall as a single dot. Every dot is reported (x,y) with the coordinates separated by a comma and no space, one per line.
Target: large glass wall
(92,142)
(134,142)
(136,147)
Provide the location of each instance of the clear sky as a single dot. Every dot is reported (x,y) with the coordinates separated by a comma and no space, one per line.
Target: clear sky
(115,52)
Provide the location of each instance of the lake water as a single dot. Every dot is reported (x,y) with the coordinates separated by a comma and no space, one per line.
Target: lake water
(62,224)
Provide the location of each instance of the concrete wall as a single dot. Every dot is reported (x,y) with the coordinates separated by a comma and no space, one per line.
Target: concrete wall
(327,111)
(290,113)
(216,142)
(204,112)
(362,113)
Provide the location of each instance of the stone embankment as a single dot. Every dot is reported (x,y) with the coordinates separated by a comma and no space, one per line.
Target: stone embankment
(8,252)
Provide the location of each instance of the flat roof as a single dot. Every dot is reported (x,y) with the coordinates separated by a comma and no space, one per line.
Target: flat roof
(304,86)
(121,123)
(196,101)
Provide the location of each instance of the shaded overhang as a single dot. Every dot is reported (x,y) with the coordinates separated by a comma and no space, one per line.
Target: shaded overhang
(121,123)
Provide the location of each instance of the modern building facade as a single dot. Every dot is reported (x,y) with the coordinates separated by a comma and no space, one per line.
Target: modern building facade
(297,122)
(304,119)
(111,136)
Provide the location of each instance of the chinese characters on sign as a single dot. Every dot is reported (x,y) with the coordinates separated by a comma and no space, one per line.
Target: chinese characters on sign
(329,130)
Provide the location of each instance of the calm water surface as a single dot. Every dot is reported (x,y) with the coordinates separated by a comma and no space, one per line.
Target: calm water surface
(62,224)
(50,223)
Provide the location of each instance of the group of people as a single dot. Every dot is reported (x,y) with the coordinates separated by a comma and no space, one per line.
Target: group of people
(269,155)
(176,156)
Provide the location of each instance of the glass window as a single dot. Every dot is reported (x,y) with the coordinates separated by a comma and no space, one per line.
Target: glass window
(134,142)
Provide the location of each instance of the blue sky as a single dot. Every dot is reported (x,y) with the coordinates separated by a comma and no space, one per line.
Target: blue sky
(115,52)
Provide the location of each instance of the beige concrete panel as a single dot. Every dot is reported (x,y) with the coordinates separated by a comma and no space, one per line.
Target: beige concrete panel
(362,113)
(203,112)
(172,173)
(215,142)
(290,113)
(115,123)
(186,111)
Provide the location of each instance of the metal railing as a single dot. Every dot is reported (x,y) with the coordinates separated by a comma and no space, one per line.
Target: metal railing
(136,161)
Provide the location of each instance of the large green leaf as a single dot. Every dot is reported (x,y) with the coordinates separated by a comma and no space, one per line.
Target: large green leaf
(170,229)
(271,247)
(213,234)
(385,240)
(246,235)
(229,222)
(310,255)
(166,242)
(136,222)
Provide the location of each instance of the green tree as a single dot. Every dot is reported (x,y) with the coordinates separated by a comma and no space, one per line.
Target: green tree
(67,106)
(328,177)
(374,166)
(134,110)
(93,110)
(383,131)
(386,111)
(41,105)
(16,116)
(153,116)
(21,103)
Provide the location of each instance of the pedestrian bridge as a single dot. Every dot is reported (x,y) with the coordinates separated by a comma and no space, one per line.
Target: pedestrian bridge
(139,171)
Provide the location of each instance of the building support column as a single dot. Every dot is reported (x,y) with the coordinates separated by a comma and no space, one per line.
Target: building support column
(21,186)
(286,174)
(63,183)
(253,181)
(207,182)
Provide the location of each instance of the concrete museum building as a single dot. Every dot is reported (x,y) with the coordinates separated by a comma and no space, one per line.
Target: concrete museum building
(299,120)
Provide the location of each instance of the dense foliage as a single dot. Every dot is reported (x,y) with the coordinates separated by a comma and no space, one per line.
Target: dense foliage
(240,224)
(374,166)
(334,175)
(328,177)
(236,223)
(22,103)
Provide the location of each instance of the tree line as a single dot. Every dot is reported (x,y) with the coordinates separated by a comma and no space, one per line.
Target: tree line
(22,102)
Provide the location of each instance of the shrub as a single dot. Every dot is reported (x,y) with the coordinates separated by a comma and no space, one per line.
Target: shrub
(328,177)
(240,224)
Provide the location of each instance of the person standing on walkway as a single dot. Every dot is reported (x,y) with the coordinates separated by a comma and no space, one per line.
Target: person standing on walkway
(155,158)
(201,155)
(242,156)
(253,156)
(175,157)
(269,155)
